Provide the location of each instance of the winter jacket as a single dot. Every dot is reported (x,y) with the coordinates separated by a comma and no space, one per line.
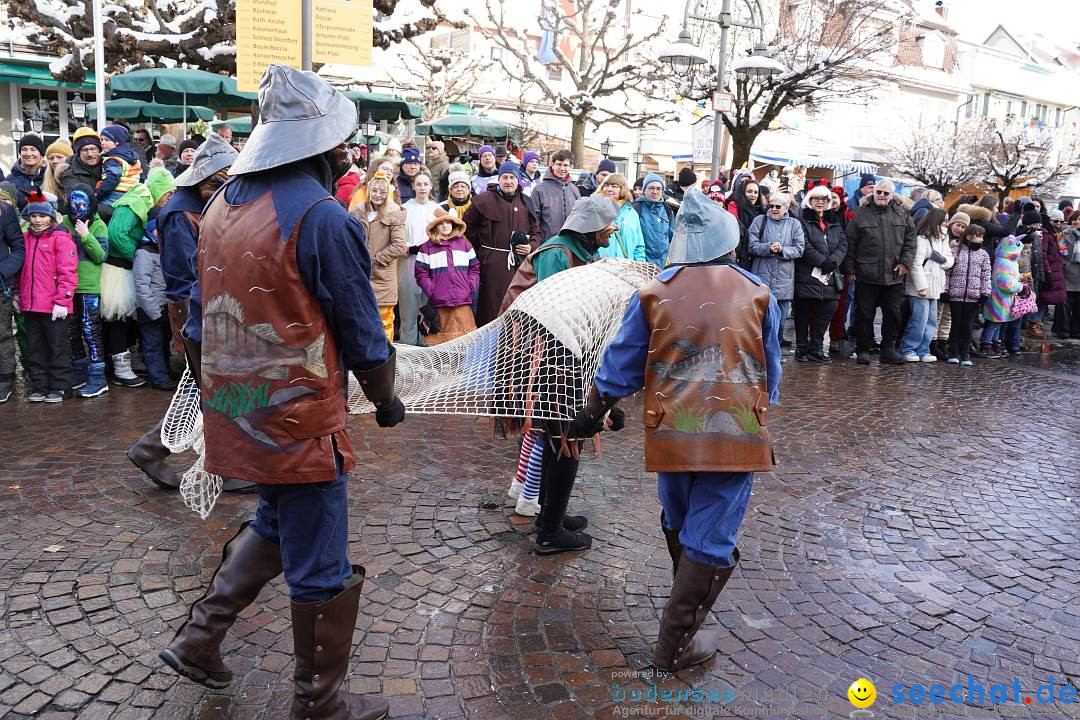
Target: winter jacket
(926,274)
(552,200)
(1052,289)
(919,209)
(824,249)
(128,223)
(628,241)
(50,273)
(482,180)
(969,278)
(76,172)
(776,270)
(1006,282)
(587,185)
(417,217)
(92,251)
(1071,267)
(451,207)
(149,281)
(121,172)
(448,272)
(346,186)
(26,181)
(404,188)
(994,230)
(12,247)
(554,261)
(386,245)
(879,239)
(657,222)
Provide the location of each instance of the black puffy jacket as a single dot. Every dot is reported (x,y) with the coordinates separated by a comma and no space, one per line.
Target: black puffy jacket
(828,246)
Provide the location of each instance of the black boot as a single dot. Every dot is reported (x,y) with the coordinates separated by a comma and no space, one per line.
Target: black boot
(322,644)
(939,350)
(558,483)
(674,546)
(152,457)
(693,593)
(248,562)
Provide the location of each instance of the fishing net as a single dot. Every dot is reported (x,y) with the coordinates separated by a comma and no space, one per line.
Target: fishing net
(536,360)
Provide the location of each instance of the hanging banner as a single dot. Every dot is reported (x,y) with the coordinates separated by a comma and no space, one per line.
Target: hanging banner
(341,32)
(267,32)
(703,142)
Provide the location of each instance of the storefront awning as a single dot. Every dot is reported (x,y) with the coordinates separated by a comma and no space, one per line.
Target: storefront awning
(29,74)
(810,161)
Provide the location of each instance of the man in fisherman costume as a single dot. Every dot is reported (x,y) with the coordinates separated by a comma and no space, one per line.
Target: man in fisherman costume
(701,340)
(178,235)
(282,310)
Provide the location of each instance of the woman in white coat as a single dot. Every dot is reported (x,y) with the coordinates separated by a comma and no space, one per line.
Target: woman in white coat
(925,284)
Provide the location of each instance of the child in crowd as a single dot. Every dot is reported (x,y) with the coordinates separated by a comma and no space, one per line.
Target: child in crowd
(448,273)
(91,237)
(968,288)
(152,314)
(120,165)
(1006,285)
(958,223)
(925,284)
(46,292)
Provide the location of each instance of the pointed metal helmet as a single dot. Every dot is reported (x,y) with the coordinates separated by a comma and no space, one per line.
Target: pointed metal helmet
(213,156)
(704,230)
(591,214)
(300,116)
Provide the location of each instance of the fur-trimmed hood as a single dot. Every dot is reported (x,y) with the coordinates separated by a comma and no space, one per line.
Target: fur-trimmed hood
(976,212)
(901,200)
(441,217)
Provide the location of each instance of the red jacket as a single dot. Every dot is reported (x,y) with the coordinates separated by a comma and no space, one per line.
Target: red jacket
(346,186)
(50,273)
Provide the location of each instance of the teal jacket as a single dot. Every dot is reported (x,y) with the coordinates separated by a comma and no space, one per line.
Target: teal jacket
(549,262)
(628,242)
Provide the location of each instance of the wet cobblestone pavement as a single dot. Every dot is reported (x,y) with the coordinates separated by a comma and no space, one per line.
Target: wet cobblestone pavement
(921,528)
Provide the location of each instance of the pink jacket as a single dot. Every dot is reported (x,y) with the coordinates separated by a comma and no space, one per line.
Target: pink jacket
(50,273)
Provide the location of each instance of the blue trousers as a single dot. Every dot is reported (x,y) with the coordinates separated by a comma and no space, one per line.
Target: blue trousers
(311,524)
(921,328)
(706,508)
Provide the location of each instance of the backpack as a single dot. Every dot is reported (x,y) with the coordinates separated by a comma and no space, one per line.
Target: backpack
(525,277)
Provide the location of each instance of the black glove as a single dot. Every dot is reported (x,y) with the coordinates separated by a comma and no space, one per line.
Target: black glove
(585,425)
(828,266)
(391,414)
(618,419)
(937,257)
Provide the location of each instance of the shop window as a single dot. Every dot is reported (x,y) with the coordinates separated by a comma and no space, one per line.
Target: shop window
(44,104)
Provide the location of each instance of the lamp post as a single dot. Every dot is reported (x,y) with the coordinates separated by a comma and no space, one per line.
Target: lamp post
(17,130)
(605,148)
(77,107)
(37,123)
(683,55)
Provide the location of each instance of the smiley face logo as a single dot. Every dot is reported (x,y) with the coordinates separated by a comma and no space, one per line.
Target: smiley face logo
(862,693)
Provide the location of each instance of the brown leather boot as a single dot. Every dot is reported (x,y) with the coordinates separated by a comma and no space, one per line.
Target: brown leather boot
(322,643)
(150,456)
(248,562)
(674,547)
(693,593)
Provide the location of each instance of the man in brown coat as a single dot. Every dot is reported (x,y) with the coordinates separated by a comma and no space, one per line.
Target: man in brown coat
(503,231)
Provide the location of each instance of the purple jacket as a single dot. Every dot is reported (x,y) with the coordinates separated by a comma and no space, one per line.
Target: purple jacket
(969,278)
(448,273)
(1052,288)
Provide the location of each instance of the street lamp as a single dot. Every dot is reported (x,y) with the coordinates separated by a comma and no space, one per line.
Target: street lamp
(605,148)
(37,123)
(17,130)
(369,127)
(683,55)
(77,106)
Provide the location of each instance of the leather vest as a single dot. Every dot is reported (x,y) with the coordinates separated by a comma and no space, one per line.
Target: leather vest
(706,396)
(273,405)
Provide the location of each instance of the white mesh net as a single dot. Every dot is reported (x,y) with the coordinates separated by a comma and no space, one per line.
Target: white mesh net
(536,360)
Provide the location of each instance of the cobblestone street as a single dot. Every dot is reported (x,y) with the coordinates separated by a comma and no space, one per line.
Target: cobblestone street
(921,528)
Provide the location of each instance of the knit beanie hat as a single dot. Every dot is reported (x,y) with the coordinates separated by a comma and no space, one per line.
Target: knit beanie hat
(651,178)
(38,204)
(394,144)
(411,155)
(1031,217)
(84,136)
(167,139)
(529,156)
(185,145)
(687,177)
(867,179)
(960,217)
(31,140)
(59,147)
(117,133)
(459,176)
(508,167)
(605,165)
(1055,215)
(485,149)
(159,182)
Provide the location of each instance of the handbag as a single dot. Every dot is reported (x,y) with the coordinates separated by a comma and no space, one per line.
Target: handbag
(838,282)
(1024,303)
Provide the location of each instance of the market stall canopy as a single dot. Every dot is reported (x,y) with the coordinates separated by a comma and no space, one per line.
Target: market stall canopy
(239,125)
(844,167)
(142,111)
(465,125)
(181,86)
(383,107)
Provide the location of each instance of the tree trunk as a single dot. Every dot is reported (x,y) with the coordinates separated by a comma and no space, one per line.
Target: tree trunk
(577,141)
(742,139)
(1003,195)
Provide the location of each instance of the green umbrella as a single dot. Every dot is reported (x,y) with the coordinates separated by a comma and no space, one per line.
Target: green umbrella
(383,107)
(141,111)
(180,86)
(465,125)
(239,125)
